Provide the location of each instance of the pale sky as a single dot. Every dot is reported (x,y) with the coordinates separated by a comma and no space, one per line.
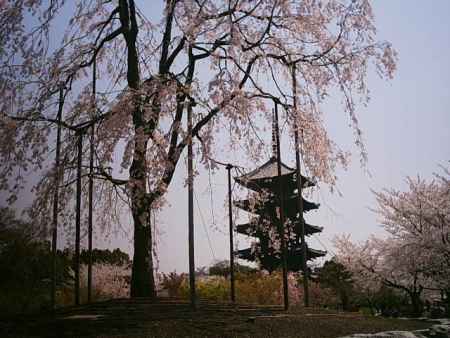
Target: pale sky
(406,129)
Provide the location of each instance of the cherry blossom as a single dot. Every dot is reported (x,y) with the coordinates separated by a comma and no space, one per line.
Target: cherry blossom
(152,73)
(416,255)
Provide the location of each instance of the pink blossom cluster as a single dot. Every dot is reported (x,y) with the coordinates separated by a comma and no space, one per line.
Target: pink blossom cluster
(109,281)
(415,255)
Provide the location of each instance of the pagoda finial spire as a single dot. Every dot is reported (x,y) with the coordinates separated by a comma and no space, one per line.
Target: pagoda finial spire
(274,136)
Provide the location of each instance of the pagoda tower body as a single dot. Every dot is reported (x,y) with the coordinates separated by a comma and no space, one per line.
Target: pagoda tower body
(264,226)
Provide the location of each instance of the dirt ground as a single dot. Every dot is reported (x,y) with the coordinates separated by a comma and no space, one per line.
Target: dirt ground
(166,318)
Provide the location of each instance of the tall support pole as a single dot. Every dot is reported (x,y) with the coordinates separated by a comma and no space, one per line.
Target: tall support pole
(191,212)
(282,222)
(230,216)
(78,217)
(56,198)
(299,195)
(91,182)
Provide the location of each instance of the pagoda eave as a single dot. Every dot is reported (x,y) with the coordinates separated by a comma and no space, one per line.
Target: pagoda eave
(254,228)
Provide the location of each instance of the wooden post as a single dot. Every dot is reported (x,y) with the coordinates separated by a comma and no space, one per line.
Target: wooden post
(91,183)
(230,216)
(281,200)
(191,212)
(79,134)
(56,199)
(299,188)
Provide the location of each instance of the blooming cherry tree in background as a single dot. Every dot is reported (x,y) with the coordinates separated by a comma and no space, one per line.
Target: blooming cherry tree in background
(388,262)
(415,256)
(420,219)
(110,281)
(150,75)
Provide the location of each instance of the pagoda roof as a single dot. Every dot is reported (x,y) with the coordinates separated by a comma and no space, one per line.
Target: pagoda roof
(309,228)
(266,175)
(248,254)
(271,261)
(265,208)
(252,228)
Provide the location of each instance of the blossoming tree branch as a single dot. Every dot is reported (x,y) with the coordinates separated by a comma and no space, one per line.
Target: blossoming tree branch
(227,60)
(415,257)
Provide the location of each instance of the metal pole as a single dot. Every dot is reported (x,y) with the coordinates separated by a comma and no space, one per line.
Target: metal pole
(230,215)
(281,200)
(79,134)
(91,185)
(299,188)
(56,198)
(191,212)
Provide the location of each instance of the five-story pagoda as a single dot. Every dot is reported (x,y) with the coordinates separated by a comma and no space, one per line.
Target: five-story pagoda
(264,203)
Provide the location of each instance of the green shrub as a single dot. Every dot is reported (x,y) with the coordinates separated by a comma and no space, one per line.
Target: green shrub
(254,288)
(173,282)
(214,288)
(259,288)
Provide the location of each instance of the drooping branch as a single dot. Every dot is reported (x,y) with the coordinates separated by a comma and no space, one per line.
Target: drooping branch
(175,151)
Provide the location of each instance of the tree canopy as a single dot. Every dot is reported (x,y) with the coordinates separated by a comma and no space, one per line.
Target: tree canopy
(415,256)
(226,61)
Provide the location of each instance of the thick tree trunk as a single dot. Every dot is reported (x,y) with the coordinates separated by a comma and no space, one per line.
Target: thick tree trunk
(345,300)
(416,303)
(372,307)
(142,281)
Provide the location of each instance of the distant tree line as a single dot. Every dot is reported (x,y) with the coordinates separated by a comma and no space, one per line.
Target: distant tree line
(222,268)
(106,256)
